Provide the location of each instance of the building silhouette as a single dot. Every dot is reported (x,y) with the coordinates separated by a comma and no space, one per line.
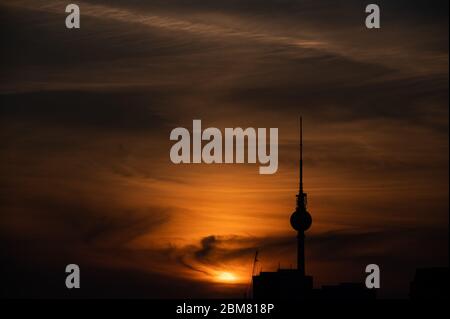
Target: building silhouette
(295,283)
(430,283)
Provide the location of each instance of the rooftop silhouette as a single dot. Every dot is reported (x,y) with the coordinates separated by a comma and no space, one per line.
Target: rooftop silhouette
(430,283)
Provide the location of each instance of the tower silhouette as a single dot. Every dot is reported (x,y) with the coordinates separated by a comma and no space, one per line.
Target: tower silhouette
(290,283)
(301,220)
(294,283)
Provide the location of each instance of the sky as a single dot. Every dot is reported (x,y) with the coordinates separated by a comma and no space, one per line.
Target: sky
(86,116)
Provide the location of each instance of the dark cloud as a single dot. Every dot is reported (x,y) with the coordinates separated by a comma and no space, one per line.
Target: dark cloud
(332,246)
(107,111)
(355,247)
(93,222)
(34,39)
(407,100)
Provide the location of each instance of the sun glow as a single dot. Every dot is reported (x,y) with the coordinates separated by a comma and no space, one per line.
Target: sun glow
(226,276)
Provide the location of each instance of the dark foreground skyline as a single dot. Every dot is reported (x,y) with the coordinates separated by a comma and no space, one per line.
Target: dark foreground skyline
(86,116)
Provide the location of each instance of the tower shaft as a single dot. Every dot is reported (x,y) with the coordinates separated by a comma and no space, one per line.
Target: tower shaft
(301,252)
(301,205)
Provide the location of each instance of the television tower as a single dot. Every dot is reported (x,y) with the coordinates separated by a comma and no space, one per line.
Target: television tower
(301,220)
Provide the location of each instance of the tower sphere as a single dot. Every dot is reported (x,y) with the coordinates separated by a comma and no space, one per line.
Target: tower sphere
(301,220)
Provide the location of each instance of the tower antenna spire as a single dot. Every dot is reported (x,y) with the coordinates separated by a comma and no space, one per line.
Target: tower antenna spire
(300,131)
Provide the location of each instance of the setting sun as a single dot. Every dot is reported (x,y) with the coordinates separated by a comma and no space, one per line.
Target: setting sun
(226,277)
